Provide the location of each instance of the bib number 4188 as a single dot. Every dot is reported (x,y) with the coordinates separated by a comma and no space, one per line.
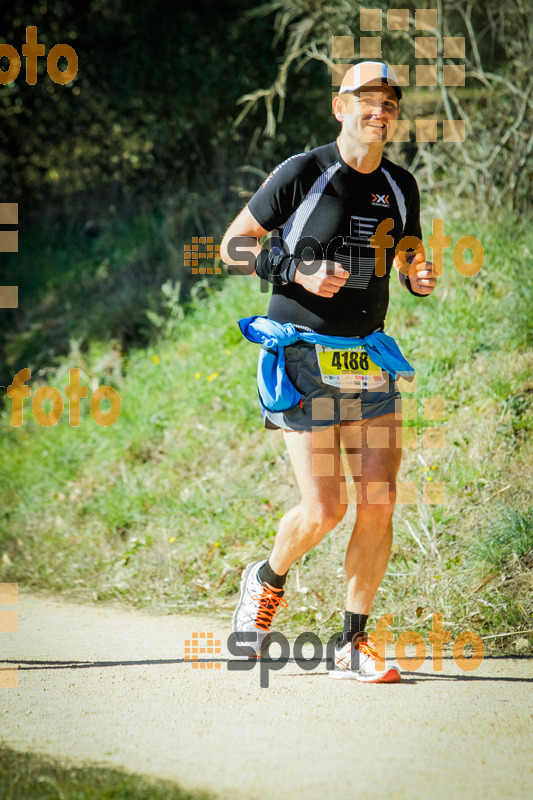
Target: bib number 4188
(350,359)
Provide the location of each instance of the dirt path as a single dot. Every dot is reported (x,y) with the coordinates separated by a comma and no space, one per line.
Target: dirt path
(109,685)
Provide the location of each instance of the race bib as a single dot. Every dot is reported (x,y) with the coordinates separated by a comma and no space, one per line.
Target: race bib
(349,370)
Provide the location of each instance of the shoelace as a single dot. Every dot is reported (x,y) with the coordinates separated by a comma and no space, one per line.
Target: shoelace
(364,642)
(366,647)
(269,601)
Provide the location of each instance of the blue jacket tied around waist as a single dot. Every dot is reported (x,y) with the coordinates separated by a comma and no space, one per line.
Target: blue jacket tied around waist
(276,391)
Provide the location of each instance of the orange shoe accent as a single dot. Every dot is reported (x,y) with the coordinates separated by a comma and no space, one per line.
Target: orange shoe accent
(391,675)
(364,643)
(269,601)
(366,647)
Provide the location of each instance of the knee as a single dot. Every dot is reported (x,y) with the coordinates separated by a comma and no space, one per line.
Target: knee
(377,514)
(321,519)
(378,499)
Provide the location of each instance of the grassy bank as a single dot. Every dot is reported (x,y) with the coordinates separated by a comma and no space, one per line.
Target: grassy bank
(25,776)
(165,507)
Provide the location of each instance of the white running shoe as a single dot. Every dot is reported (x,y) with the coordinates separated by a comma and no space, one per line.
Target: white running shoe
(356,660)
(257,607)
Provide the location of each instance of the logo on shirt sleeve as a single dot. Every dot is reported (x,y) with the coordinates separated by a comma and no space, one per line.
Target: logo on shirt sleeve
(297,155)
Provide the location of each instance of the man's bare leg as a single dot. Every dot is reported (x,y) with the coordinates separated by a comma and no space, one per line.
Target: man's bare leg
(301,528)
(373,460)
(320,508)
(369,548)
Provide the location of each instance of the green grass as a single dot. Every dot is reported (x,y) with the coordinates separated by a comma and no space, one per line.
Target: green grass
(26,776)
(510,539)
(167,505)
(110,291)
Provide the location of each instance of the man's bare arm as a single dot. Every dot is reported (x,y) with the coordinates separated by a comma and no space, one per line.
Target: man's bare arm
(323,278)
(245,227)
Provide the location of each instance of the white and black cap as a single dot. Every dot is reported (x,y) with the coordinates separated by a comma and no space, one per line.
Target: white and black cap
(369,72)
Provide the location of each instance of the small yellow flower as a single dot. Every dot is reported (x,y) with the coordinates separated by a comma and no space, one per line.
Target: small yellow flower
(228,352)
(197,375)
(214,375)
(155,359)
(209,378)
(426,469)
(172,539)
(433,467)
(217,544)
(430,478)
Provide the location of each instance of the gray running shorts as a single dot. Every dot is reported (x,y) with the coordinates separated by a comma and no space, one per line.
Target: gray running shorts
(322,404)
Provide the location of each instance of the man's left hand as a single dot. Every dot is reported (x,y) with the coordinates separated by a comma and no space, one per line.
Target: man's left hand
(421,276)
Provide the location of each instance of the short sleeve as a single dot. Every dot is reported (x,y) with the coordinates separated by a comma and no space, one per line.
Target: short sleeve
(282,192)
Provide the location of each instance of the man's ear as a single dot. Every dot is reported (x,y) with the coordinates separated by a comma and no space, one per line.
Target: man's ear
(338,109)
(343,106)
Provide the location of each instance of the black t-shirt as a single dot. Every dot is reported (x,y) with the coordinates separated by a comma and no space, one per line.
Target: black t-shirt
(323,208)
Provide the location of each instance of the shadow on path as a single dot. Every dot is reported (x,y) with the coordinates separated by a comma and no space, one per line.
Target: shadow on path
(248,664)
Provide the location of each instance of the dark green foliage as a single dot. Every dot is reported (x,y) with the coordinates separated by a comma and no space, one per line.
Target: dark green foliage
(151,109)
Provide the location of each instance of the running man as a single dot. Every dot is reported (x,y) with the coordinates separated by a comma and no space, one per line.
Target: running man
(324,337)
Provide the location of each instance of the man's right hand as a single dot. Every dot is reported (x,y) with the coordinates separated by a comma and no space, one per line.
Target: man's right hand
(323,278)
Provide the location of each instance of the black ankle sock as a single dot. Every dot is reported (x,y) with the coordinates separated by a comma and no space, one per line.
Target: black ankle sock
(267,575)
(353,623)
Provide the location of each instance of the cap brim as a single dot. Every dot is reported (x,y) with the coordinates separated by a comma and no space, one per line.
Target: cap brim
(369,72)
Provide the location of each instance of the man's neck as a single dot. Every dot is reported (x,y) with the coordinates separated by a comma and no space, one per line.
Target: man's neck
(361,157)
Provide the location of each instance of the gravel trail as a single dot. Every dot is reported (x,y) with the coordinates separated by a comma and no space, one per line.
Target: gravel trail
(109,685)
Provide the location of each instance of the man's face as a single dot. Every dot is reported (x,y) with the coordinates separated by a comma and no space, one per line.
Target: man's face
(371,113)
